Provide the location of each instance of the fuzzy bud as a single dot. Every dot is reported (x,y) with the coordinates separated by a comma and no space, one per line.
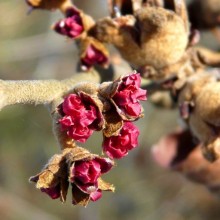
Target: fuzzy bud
(147,37)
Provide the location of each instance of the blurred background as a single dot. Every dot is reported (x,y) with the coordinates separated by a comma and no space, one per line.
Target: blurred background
(29,49)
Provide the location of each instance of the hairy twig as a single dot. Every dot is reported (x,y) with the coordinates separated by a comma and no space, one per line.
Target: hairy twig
(40,91)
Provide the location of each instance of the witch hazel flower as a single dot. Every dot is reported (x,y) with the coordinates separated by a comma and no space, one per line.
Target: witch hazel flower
(92,56)
(85,171)
(81,117)
(85,175)
(125,94)
(118,146)
(129,94)
(72,25)
(80,169)
(93,52)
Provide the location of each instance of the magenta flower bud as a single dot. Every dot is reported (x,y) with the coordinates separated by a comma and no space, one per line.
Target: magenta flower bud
(71,26)
(85,175)
(129,94)
(93,56)
(118,146)
(80,117)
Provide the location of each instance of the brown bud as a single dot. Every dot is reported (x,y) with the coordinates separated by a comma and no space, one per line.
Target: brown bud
(156,37)
(203,91)
(158,29)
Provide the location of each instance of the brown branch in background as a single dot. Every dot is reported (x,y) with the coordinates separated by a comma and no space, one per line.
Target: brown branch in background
(199,106)
(210,11)
(179,152)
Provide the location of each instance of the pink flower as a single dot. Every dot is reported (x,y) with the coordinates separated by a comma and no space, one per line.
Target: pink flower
(80,117)
(71,26)
(93,56)
(118,146)
(85,175)
(129,94)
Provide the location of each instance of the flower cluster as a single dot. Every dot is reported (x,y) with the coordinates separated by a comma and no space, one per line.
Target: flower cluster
(79,168)
(82,115)
(109,107)
(142,32)
(75,26)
